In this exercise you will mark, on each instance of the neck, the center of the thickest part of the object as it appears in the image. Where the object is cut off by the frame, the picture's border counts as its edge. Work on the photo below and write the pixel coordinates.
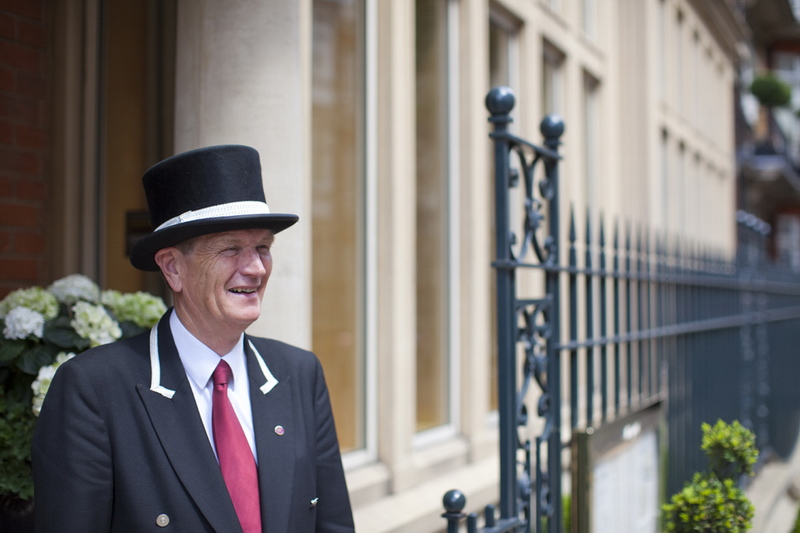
(219, 339)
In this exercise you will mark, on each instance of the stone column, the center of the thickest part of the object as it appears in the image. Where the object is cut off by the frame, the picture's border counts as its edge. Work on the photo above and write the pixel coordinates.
(242, 77)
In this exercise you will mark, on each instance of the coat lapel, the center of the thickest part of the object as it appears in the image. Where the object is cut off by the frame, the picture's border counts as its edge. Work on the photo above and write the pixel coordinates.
(181, 432)
(276, 440)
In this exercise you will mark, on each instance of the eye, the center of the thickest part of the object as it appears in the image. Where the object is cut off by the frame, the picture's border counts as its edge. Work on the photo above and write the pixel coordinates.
(230, 251)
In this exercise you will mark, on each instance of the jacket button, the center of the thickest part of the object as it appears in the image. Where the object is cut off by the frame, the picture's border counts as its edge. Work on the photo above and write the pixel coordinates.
(162, 520)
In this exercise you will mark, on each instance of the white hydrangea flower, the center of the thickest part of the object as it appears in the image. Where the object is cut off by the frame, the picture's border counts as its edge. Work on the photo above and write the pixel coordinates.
(34, 298)
(42, 382)
(111, 299)
(22, 322)
(141, 308)
(75, 287)
(92, 322)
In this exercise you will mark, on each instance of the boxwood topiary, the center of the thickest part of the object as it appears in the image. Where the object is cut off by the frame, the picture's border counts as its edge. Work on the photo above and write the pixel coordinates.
(712, 502)
(770, 90)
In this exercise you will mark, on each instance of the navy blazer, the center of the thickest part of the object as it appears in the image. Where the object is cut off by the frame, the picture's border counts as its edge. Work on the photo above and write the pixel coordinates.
(120, 446)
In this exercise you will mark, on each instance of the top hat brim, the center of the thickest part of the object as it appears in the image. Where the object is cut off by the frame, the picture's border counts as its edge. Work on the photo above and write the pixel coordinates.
(144, 251)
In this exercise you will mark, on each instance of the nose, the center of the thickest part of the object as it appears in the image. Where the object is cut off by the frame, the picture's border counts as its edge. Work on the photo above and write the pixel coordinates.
(255, 263)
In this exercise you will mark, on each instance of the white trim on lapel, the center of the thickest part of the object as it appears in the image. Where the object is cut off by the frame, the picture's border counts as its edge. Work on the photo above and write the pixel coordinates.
(271, 380)
(155, 366)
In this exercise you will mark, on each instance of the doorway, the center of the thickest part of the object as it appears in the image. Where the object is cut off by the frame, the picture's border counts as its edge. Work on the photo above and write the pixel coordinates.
(113, 118)
(138, 82)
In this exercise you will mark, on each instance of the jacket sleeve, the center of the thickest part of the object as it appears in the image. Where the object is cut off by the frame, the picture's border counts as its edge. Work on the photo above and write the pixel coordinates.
(334, 514)
(71, 457)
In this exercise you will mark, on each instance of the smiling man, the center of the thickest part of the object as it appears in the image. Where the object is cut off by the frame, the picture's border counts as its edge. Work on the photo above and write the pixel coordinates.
(195, 426)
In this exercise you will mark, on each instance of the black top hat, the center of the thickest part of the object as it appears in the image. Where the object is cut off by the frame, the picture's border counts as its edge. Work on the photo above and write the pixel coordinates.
(204, 191)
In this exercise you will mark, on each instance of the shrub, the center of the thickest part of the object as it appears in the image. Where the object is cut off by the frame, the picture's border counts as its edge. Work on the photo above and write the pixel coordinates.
(41, 328)
(770, 90)
(796, 528)
(566, 514)
(731, 449)
(709, 505)
(712, 502)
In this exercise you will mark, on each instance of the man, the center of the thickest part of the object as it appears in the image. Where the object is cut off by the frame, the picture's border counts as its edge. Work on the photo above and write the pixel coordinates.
(195, 427)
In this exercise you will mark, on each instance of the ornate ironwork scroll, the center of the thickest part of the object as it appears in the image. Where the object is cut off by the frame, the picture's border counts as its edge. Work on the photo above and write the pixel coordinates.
(529, 324)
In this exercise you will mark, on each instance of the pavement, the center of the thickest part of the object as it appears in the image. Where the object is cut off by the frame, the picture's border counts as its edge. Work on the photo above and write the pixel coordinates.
(775, 494)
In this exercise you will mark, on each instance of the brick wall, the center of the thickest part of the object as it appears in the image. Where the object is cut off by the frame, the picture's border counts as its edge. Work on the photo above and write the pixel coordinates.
(24, 37)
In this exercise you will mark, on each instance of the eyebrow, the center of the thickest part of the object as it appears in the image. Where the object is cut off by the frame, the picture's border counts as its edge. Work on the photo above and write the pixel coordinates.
(227, 240)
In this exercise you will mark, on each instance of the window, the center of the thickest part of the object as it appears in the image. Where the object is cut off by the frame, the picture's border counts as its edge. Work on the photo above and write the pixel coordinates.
(338, 216)
(787, 239)
(695, 73)
(662, 50)
(503, 71)
(503, 51)
(659, 191)
(677, 65)
(435, 372)
(681, 193)
(591, 140)
(552, 80)
(590, 19)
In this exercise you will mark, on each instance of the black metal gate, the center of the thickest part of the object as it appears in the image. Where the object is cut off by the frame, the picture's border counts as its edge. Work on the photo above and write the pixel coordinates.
(653, 321)
(532, 323)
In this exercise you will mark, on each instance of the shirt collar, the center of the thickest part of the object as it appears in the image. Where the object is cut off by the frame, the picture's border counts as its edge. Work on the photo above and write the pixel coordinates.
(199, 360)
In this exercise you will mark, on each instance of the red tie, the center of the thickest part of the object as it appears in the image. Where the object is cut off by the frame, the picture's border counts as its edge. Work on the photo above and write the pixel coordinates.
(235, 456)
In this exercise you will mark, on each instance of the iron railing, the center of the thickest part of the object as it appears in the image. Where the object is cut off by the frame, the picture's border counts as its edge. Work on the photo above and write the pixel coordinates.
(653, 322)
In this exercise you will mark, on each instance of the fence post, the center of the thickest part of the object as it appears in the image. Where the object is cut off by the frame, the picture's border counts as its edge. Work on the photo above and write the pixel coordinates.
(500, 102)
(552, 127)
(530, 323)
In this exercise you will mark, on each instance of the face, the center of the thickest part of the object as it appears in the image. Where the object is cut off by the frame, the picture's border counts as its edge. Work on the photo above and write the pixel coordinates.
(218, 280)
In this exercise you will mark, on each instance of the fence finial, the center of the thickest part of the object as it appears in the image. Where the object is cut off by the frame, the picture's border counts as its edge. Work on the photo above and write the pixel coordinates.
(454, 502)
(499, 102)
(552, 127)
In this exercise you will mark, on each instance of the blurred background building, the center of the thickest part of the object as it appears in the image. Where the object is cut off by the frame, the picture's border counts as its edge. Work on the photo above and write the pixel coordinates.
(369, 116)
(768, 136)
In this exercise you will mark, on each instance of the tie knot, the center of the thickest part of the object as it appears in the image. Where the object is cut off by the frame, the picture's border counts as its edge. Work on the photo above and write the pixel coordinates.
(222, 374)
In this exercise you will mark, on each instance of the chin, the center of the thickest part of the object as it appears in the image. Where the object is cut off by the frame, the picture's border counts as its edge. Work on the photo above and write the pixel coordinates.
(247, 318)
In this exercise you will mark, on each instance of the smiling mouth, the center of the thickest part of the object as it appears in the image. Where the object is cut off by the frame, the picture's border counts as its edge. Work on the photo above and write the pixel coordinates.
(243, 291)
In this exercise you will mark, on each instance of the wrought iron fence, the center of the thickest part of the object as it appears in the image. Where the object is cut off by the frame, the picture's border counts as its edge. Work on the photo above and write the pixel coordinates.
(652, 321)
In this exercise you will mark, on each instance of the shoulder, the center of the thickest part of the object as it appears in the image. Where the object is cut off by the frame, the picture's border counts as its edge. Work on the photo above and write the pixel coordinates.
(279, 348)
(101, 377)
(285, 357)
(126, 356)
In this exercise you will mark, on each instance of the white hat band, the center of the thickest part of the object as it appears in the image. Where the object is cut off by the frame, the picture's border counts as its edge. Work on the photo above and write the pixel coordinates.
(232, 209)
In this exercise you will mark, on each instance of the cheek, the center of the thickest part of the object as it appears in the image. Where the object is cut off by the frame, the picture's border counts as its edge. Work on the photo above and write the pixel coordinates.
(266, 263)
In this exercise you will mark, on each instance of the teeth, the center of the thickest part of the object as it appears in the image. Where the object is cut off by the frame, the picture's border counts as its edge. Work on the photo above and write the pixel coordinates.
(244, 291)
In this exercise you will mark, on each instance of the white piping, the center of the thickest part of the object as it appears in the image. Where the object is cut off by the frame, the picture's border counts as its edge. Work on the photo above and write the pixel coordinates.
(155, 367)
(271, 381)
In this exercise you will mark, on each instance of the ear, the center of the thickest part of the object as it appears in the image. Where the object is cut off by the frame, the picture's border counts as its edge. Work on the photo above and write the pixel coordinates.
(167, 260)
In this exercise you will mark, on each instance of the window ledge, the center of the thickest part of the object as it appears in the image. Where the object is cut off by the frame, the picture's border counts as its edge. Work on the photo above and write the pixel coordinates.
(367, 484)
(419, 508)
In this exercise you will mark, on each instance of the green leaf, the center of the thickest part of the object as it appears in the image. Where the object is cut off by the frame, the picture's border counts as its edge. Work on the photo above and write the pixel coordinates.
(61, 334)
(16, 429)
(730, 448)
(10, 349)
(130, 329)
(32, 360)
(771, 90)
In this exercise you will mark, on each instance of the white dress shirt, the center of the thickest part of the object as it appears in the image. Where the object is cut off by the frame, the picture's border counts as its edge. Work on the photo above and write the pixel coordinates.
(199, 361)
